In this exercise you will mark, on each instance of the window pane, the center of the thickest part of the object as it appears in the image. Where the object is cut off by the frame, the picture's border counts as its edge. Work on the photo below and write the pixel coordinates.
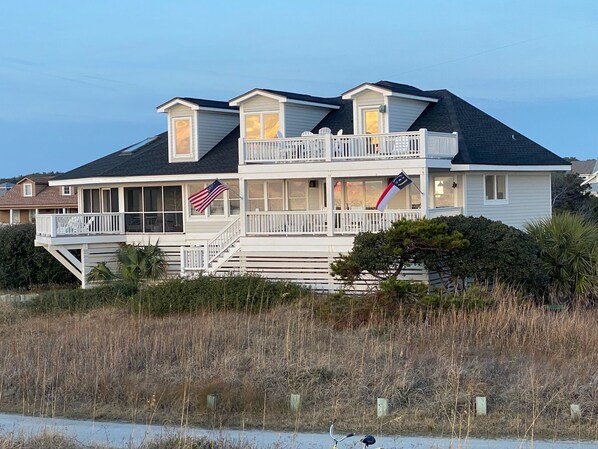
(297, 195)
(235, 207)
(106, 200)
(152, 199)
(275, 195)
(86, 200)
(217, 207)
(338, 195)
(489, 179)
(173, 200)
(354, 191)
(444, 193)
(270, 125)
(193, 189)
(182, 133)
(173, 222)
(95, 201)
(415, 194)
(501, 187)
(252, 126)
(372, 122)
(373, 189)
(153, 223)
(133, 199)
(255, 193)
(114, 200)
(234, 204)
(133, 223)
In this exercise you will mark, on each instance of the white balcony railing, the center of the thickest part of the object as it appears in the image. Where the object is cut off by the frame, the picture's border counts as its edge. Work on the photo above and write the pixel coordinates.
(322, 148)
(286, 222)
(70, 225)
(356, 221)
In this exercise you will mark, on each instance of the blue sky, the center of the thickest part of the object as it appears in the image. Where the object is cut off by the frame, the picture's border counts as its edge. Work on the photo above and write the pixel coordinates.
(81, 79)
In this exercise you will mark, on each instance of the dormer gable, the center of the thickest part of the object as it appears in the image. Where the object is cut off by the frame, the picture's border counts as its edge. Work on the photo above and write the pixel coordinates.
(30, 186)
(267, 113)
(385, 106)
(196, 125)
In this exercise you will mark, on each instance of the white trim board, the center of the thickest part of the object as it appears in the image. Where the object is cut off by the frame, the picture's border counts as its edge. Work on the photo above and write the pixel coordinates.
(508, 168)
(118, 180)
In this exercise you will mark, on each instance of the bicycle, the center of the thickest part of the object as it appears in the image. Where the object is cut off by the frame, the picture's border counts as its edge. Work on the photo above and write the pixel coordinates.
(368, 440)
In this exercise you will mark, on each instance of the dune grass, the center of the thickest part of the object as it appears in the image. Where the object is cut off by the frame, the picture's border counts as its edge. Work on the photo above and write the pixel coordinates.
(115, 363)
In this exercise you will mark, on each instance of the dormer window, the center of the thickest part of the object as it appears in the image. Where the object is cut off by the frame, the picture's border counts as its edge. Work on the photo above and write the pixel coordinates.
(263, 125)
(66, 190)
(182, 136)
(28, 189)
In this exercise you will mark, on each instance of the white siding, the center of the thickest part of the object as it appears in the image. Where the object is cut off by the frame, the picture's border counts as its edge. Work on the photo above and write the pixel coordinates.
(403, 112)
(260, 104)
(369, 98)
(299, 118)
(180, 111)
(212, 127)
(528, 196)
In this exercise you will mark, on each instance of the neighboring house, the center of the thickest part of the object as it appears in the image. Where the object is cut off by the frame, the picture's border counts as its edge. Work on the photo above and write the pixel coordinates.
(5, 187)
(304, 174)
(31, 196)
(588, 171)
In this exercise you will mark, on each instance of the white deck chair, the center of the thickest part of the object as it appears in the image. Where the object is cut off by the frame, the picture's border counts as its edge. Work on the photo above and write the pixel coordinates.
(307, 147)
(324, 130)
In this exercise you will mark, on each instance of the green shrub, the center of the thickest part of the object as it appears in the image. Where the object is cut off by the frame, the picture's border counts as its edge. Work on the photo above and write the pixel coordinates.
(569, 255)
(79, 300)
(496, 252)
(22, 265)
(248, 293)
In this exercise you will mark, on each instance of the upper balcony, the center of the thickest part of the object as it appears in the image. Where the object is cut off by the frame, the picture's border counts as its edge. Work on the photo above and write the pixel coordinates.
(422, 144)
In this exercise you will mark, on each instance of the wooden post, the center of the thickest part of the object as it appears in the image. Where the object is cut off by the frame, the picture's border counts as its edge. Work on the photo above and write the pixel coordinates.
(575, 411)
(382, 407)
(211, 401)
(480, 406)
(295, 402)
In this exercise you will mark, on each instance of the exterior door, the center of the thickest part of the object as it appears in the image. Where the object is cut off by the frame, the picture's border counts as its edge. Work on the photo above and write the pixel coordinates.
(370, 120)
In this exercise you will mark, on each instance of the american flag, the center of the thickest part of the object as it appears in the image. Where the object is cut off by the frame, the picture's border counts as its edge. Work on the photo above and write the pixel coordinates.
(202, 199)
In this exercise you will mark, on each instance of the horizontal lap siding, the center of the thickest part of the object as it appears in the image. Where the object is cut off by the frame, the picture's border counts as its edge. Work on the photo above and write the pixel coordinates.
(213, 127)
(303, 261)
(528, 199)
(369, 98)
(300, 118)
(403, 112)
(260, 104)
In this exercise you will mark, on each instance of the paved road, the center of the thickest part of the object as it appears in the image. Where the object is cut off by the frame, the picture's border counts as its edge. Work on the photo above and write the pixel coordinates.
(121, 435)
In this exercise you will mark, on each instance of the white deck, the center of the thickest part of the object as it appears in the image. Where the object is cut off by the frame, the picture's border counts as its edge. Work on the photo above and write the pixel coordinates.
(328, 148)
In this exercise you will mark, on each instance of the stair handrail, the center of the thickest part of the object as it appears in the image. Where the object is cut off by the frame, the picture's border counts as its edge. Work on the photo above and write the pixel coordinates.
(224, 240)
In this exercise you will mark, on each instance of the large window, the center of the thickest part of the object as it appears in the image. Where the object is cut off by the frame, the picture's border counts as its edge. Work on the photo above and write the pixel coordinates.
(100, 200)
(28, 189)
(226, 204)
(153, 209)
(264, 125)
(364, 194)
(182, 136)
(297, 194)
(444, 191)
(495, 188)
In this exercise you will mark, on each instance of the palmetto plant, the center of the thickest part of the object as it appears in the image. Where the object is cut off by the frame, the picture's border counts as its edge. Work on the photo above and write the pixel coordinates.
(136, 263)
(569, 253)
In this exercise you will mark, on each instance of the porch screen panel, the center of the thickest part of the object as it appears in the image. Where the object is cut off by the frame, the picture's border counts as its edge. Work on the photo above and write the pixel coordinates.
(133, 207)
(275, 195)
(173, 209)
(297, 195)
(255, 194)
(355, 195)
(234, 202)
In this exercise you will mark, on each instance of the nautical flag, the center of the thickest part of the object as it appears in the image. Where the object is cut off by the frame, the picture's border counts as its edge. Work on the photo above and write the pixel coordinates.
(202, 199)
(400, 182)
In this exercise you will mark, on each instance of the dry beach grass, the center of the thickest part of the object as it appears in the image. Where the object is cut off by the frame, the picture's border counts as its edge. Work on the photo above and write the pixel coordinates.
(113, 364)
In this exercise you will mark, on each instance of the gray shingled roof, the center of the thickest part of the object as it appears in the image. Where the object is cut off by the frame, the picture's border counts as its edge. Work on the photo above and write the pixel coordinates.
(483, 140)
(584, 167)
(152, 159)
